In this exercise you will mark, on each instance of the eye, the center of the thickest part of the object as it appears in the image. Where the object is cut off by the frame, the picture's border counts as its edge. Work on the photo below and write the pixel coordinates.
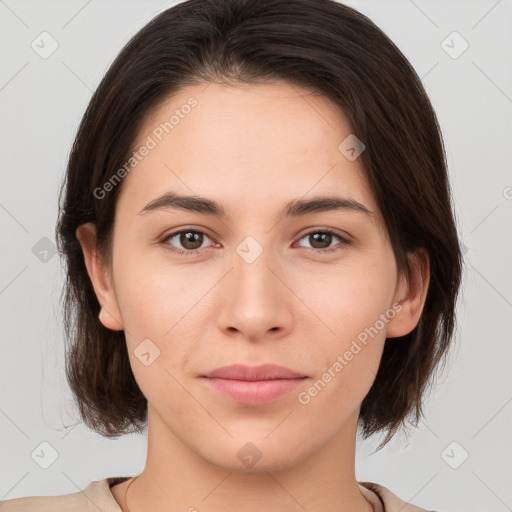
(321, 239)
(190, 239)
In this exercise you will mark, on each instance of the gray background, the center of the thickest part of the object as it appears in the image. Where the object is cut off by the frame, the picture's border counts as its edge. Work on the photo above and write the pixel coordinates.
(42, 101)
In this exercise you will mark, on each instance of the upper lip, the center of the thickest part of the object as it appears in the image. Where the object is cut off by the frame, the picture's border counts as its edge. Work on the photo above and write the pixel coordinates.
(252, 373)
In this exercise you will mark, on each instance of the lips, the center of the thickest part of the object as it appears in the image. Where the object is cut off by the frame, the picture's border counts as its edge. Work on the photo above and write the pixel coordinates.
(254, 385)
(253, 373)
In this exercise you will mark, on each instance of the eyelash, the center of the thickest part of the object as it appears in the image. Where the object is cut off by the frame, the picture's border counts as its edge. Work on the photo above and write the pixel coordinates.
(182, 252)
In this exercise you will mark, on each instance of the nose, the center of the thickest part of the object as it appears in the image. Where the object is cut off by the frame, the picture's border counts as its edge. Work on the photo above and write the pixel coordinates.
(257, 300)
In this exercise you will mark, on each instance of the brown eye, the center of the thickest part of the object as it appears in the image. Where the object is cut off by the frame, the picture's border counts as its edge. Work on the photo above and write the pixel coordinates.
(190, 240)
(321, 240)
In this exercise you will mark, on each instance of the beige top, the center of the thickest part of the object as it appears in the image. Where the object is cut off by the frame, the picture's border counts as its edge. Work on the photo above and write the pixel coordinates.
(97, 497)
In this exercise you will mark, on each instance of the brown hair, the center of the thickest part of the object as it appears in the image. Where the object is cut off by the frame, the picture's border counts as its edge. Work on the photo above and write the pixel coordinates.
(320, 45)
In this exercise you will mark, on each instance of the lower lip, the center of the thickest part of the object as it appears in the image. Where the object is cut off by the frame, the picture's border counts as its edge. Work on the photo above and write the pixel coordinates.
(254, 392)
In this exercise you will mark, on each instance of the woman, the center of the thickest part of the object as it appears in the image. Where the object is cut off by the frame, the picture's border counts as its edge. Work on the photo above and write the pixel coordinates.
(261, 255)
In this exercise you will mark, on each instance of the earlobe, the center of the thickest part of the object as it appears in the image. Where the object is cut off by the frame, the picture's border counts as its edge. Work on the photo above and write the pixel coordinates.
(109, 321)
(411, 294)
(109, 314)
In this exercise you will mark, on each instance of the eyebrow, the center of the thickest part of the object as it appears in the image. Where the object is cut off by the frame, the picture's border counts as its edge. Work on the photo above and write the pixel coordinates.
(294, 208)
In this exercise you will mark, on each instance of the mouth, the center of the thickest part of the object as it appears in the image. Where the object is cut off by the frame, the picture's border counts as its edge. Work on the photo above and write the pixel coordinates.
(253, 385)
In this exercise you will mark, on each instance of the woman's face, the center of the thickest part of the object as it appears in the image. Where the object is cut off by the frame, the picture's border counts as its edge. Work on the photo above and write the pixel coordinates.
(255, 285)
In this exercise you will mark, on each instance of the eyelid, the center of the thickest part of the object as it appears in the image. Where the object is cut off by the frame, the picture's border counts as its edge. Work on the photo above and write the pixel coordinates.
(345, 240)
(322, 229)
(179, 231)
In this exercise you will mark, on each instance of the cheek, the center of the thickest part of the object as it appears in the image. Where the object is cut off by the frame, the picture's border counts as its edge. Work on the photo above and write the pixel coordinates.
(155, 296)
(163, 313)
(348, 301)
(348, 360)
(353, 308)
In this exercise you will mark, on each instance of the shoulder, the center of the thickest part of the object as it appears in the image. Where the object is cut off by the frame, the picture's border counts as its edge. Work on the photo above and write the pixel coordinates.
(390, 501)
(96, 497)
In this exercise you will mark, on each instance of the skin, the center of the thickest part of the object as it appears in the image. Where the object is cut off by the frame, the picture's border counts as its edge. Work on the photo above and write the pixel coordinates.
(252, 148)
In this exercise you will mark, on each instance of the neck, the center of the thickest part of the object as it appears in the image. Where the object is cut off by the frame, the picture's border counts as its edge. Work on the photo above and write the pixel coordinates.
(176, 478)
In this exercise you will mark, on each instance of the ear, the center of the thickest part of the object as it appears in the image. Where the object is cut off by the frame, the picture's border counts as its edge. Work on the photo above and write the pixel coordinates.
(101, 281)
(411, 294)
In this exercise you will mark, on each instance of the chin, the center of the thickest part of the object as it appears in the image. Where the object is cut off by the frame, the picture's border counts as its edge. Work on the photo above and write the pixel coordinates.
(258, 456)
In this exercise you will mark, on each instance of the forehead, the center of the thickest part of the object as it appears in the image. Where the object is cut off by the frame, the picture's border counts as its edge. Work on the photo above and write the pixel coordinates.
(253, 144)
